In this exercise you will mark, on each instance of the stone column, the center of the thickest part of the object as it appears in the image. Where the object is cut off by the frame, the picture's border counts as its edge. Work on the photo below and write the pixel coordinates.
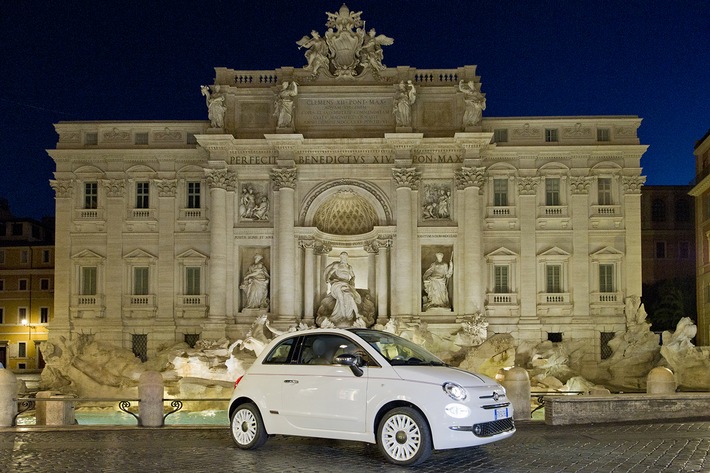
(321, 251)
(405, 179)
(284, 183)
(632, 212)
(382, 258)
(59, 326)
(218, 181)
(470, 180)
(309, 280)
(372, 249)
(579, 270)
(527, 197)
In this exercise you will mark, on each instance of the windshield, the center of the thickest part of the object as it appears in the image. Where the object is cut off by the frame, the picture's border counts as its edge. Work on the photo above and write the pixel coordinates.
(398, 350)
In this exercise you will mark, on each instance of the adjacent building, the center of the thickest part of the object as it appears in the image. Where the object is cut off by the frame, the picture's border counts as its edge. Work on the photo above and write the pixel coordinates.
(701, 192)
(667, 233)
(26, 288)
(345, 192)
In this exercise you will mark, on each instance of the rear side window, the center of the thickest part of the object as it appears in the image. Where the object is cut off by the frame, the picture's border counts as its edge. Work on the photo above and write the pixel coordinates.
(281, 352)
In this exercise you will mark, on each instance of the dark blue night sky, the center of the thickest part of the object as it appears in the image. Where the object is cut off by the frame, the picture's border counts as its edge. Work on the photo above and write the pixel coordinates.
(146, 60)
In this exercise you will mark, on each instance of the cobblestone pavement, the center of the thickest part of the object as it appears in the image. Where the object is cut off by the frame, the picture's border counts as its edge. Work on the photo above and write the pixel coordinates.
(536, 447)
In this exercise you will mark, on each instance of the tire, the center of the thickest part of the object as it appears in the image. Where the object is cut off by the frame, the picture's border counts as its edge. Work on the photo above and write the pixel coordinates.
(403, 436)
(247, 427)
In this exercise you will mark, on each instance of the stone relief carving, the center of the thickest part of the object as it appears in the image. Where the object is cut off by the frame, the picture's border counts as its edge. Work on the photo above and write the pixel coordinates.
(166, 187)
(632, 184)
(528, 185)
(580, 185)
(526, 131)
(255, 285)
(404, 98)
(436, 282)
(168, 135)
(407, 177)
(344, 306)
(215, 106)
(116, 136)
(577, 130)
(283, 111)
(346, 50)
(254, 203)
(475, 103)
(624, 131)
(469, 177)
(114, 187)
(283, 177)
(62, 188)
(436, 203)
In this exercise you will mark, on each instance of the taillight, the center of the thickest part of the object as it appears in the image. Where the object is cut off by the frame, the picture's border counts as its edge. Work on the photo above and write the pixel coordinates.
(237, 381)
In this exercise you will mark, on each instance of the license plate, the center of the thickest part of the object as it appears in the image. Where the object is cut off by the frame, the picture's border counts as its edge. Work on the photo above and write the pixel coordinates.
(501, 413)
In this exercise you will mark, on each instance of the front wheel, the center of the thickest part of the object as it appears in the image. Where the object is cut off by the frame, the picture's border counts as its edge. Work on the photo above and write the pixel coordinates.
(403, 436)
(248, 429)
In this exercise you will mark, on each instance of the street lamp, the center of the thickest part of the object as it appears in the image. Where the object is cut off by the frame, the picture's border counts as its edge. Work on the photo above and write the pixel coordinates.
(29, 328)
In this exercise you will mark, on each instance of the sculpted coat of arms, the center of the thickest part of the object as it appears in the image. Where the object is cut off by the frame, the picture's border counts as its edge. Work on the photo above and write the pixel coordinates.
(347, 49)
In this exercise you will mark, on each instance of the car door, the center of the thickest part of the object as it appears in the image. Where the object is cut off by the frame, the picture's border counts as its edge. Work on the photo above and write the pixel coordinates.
(320, 397)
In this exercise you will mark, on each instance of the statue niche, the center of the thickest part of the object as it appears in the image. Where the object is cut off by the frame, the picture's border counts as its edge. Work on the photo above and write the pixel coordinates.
(344, 305)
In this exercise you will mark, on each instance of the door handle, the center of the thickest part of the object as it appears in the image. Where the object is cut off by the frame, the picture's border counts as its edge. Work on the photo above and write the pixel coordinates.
(291, 381)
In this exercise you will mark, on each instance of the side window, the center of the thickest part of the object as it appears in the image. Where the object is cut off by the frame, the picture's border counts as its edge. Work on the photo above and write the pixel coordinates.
(280, 354)
(321, 349)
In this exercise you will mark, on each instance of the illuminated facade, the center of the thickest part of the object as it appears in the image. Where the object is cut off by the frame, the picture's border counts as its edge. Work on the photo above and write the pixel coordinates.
(160, 225)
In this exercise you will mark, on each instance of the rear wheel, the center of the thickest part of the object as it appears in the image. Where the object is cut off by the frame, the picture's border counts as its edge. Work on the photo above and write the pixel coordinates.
(248, 429)
(403, 436)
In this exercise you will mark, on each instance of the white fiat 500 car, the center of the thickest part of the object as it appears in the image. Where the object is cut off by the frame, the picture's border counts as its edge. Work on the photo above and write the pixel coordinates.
(369, 386)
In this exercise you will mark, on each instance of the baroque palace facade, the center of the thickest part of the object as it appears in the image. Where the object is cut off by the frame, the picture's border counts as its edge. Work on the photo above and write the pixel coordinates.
(346, 193)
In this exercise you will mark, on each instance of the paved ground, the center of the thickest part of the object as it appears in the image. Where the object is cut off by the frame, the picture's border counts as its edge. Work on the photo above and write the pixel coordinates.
(638, 447)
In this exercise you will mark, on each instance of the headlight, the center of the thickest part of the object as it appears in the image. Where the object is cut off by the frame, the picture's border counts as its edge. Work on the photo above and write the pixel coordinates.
(455, 391)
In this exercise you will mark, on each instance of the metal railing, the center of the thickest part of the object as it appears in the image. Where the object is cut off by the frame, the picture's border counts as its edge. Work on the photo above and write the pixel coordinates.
(25, 404)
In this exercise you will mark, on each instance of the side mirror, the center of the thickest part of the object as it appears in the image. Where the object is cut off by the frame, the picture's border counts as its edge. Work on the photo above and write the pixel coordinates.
(353, 361)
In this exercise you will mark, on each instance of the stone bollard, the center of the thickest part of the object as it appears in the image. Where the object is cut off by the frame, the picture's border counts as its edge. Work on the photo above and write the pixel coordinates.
(41, 407)
(61, 412)
(150, 392)
(8, 398)
(660, 380)
(517, 386)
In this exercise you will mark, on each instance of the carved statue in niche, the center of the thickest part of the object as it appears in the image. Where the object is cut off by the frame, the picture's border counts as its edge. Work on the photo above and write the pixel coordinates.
(404, 98)
(284, 104)
(436, 282)
(253, 203)
(344, 306)
(475, 103)
(215, 106)
(256, 285)
(437, 202)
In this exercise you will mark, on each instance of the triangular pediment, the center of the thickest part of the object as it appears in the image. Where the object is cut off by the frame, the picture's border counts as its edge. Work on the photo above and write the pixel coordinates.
(502, 251)
(191, 254)
(607, 251)
(554, 251)
(87, 255)
(139, 254)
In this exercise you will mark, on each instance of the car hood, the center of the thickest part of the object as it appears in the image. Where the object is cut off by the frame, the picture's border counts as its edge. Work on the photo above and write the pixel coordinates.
(441, 374)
